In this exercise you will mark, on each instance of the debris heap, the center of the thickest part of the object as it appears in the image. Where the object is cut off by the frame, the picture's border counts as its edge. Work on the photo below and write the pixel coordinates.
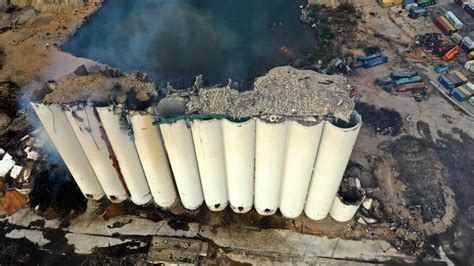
(284, 91)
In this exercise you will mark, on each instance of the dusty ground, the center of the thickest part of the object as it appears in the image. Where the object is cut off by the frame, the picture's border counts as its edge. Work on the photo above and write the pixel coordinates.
(415, 158)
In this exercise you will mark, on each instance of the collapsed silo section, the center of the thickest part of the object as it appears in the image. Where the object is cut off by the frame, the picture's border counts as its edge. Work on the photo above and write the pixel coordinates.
(180, 147)
(271, 134)
(208, 144)
(87, 129)
(336, 146)
(301, 149)
(120, 134)
(62, 135)
(348, 200)
(239, 152)
(149, 145)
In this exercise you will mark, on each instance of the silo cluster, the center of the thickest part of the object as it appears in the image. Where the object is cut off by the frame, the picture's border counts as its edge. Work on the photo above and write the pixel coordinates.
(267, 162)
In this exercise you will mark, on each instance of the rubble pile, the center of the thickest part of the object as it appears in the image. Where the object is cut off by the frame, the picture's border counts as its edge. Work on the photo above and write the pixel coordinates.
(434, 43)
(97, 85)
(284, 91)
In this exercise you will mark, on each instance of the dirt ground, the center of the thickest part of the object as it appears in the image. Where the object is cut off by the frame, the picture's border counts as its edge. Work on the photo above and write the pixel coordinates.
(414, 158)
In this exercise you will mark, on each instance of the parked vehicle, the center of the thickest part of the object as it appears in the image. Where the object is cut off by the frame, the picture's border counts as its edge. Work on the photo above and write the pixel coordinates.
(467, 44)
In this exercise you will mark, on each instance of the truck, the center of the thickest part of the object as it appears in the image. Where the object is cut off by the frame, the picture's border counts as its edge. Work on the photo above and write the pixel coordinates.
(457, 23)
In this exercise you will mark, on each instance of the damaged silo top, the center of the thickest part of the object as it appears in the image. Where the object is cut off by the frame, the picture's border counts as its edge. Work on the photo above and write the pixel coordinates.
(97, 85)
(283, 91)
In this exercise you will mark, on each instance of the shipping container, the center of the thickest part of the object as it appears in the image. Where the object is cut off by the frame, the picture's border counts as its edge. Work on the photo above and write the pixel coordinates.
(470, 55)
(403, 81)
(425, 3)
(411, 86)
(447, 84)
(456, 38)
(400, 75)
(465, 91)
(458, 95)
(375, 62)
(457, 81)
(469, 9)
(408, 2)
(467, 44)
(368, 58)
(471, 101)
(409, 7)
(416, 12)
(470, 87)
(449, 24)
(442, 26)
(461, 76)
(457, 23)
(389, 3)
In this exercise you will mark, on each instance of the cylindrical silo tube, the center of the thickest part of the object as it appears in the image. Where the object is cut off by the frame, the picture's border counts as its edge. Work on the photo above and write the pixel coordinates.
(333, 155)
(180, 147)
(62, 135)
(301, 148)
(86, 127)
(343, 212)
(269, 162)
(207, 136)
(239, 153)
(149, 144)
(120, 134)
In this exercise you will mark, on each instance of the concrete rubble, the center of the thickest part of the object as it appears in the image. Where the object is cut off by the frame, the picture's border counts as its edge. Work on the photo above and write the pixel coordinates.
(283, 91)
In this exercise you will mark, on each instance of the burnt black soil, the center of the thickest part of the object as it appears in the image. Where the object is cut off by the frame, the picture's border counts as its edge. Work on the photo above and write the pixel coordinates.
(383, 121)
(416, 168)
(56, 189)
(457, 156)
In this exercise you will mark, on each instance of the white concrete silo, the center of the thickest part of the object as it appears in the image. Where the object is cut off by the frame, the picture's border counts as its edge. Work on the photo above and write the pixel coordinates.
(62, 135)
(239, 153)
(343, 212)
(269, 162)
(208, 144)
(334, 152)
(180, 147)
(151, 151)
(86, 127)
(126, 153)
(301, 149)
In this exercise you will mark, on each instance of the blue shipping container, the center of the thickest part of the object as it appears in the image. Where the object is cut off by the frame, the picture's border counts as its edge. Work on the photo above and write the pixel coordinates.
(375, 62)
(370, 57)
(458, 95)
(447, 84)
(414, 79)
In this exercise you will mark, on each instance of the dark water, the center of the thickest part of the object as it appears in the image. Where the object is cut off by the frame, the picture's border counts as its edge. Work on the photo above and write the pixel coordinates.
(179, 39)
